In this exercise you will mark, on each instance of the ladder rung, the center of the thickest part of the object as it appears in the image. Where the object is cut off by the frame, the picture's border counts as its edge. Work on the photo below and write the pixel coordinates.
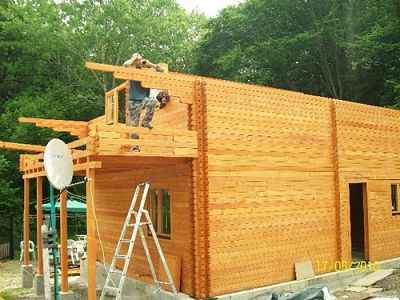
(163, 282)
(116, 271)
(119, 256)
(111, 288)
(125, 241)
(141, 223)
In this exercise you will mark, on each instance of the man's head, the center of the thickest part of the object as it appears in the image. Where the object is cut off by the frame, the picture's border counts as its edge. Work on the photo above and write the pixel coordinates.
(163, 98)
(136, 58)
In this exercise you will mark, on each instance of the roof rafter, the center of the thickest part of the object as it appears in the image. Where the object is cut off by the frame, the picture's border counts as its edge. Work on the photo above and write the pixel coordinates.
(21, 147)
(76, 128)
(178, 85)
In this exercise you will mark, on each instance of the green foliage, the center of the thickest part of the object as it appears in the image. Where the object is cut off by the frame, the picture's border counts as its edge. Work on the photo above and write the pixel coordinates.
(43, 48)
(344, 49)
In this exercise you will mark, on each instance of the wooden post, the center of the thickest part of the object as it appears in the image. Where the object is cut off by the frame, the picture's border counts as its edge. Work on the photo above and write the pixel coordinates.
(26, 222)
(91, 234)
(115, 108)
(335, 162)
(200, 194)
(64, 243)
(39, 223)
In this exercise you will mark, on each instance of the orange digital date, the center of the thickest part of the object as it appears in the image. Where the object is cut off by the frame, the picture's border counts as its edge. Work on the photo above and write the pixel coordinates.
(338, 265)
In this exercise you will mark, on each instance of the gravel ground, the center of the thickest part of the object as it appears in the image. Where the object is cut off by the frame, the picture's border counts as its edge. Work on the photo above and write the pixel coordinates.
(10, 276)
(10, 281)
(390, 288)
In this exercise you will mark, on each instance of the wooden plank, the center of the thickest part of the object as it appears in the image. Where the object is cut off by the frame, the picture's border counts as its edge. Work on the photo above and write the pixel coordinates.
(63, 241)
(178, 85)
(79, 143)
(114, 190)
(21, 147)
(77, 128)
(77, 168)
(122, 128)
(372, 278)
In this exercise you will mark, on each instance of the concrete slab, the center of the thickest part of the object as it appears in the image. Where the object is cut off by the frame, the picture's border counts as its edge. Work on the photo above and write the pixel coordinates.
(27, 276)
(304, 270)
(67, 296)
(372, 290)
(38, 285)
(333, 280)
(356, 289)
(370, 279)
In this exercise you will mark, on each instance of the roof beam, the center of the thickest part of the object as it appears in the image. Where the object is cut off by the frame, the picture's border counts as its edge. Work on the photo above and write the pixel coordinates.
(76, 128)
(178, 85)
(21, 147)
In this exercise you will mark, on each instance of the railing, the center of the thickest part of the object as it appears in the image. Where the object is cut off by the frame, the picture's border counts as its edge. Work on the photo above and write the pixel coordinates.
(32, 164)
(111, 104)
(116, 140)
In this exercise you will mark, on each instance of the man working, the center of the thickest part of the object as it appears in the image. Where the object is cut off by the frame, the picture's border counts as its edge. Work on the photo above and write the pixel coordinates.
(139, 96)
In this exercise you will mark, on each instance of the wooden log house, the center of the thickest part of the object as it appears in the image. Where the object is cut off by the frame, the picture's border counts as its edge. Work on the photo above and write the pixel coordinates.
(247, 180)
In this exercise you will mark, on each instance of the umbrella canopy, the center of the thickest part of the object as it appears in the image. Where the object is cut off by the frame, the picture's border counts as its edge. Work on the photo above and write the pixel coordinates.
(73, 206)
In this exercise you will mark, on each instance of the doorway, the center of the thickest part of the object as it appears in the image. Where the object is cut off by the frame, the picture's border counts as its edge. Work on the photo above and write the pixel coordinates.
(358, 194)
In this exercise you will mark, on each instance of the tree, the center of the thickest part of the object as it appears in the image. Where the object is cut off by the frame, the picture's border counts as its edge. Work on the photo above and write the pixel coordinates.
(335, 48)
(43, 48)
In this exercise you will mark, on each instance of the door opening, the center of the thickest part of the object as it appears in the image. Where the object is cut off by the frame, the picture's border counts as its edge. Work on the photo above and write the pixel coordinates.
(357, 215)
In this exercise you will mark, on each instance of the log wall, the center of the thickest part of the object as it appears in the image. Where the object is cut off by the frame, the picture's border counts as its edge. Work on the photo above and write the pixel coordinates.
(271, 184)
(368, 147)
(279, 166)
(114, 190)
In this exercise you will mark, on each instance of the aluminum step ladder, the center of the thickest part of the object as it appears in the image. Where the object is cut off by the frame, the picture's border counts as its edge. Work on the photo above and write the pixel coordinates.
(115, 287)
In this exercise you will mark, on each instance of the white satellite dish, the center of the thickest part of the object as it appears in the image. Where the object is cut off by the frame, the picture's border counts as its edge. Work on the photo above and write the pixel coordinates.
(58, 164)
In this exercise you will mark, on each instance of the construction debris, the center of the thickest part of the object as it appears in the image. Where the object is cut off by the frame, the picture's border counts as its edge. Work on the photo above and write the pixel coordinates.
(304, 270)
(308, 294)
(372, 278)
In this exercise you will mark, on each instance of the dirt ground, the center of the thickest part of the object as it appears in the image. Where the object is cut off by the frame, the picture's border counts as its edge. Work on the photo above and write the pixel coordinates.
(10, 281)
(9, 274)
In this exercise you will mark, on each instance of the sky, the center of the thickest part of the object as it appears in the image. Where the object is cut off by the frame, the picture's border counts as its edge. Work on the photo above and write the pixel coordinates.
(209, 7)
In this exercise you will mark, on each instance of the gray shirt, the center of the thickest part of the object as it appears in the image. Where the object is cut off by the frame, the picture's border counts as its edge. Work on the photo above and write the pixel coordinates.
(137, 92)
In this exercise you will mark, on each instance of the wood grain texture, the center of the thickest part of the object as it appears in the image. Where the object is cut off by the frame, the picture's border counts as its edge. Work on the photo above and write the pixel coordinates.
(92, 245)
(21, 147)
(76, 128)
(200, 194)
(114, 190)
(271, 185)
(259, 178)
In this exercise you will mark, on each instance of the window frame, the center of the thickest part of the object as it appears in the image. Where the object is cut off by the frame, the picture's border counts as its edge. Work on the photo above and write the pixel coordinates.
(157, 198)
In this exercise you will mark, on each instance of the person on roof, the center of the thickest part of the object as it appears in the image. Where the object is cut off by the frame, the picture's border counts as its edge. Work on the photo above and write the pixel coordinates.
(139, 96)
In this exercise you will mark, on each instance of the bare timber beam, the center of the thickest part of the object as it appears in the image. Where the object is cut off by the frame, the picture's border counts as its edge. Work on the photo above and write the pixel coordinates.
(77, 168)
(178, 85)
(21, 147)
(76, 128)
